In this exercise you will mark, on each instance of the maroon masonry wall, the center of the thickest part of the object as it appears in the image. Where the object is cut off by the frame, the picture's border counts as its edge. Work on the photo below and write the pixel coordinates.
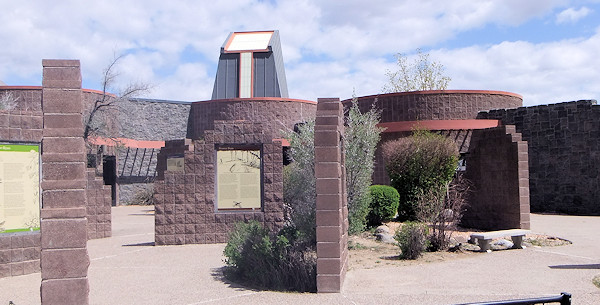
(432, 105)
(276, 114)
(19, 253)
(497, 166)
(185, 201)
(99, 202)
(332, 204)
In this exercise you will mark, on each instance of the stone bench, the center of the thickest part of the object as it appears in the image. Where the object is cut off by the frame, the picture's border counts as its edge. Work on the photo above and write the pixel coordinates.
(484, 238)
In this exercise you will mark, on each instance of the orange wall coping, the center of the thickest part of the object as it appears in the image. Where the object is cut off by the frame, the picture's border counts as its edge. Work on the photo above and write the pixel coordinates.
(40, 87)
(439, 125)
(425, 92)
(131, 143)
(250, 99)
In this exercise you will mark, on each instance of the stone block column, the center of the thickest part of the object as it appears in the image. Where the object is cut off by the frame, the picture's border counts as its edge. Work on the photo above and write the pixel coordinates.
(332, 207)
(64, 257)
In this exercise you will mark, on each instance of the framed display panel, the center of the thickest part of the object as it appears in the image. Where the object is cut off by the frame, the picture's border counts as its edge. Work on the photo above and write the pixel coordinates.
(19, 187)
(238, 178)
(175, 163)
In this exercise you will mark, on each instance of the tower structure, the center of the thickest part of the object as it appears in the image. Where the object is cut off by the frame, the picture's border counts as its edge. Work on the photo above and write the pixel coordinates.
(250, 65)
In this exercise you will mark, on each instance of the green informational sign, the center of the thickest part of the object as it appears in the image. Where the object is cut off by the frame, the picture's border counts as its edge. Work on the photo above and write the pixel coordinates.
(19, 187)
(238, 179)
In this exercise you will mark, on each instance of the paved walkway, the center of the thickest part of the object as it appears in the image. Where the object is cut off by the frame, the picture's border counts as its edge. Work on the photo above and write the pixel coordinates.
(127, 269)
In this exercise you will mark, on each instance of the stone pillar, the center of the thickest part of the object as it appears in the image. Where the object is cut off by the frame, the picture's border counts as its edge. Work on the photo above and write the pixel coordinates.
(332, 207)
(64, 257)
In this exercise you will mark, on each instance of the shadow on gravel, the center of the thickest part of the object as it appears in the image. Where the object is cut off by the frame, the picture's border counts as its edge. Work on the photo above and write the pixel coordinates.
(217, 274)
(584, 266)
(148, 244)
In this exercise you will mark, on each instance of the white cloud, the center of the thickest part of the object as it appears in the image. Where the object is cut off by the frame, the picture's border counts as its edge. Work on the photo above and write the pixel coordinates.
(572, 15)
(329, 46)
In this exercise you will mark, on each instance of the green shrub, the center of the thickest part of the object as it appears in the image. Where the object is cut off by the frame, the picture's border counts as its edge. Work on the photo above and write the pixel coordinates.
(423, 163)
(143, 196)
(361, 136)
(412, 239)
(283, 261)
(384, 204)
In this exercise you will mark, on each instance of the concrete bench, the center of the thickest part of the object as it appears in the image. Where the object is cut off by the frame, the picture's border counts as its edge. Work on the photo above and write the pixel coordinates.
(484, 238)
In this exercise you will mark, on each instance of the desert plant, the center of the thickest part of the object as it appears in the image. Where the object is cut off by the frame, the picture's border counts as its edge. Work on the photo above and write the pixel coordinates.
(412, 239)
(144, 195)
(299, 183)
(384, 204)
(258, 258)
(361, 136)
(422, 164)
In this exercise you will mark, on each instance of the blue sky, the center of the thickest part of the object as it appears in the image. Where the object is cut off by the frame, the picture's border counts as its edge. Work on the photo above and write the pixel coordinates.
(545, 50)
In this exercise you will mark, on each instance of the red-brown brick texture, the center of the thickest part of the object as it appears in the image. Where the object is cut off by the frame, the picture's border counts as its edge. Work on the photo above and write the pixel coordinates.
(498, 167)
(19, 253)
(64, 258)
(99, 201)
(275, 114)
(432, 105)
(332, 207)
(185, 201)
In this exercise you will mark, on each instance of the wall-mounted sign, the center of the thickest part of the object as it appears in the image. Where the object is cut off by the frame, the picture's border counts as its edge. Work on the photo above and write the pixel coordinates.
(175, 164)
(19, 187)
(238, 179)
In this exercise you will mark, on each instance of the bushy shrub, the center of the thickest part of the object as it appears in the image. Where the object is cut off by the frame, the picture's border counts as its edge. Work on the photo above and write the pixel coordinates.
(421, 164)
(283, 261)
(144, 195)
(361, 136)
(299, 182)
(412, 239)
(384, 204)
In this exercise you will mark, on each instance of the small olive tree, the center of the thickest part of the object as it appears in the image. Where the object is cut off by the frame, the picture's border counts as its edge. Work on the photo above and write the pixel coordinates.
(420, 74)
(361, 136)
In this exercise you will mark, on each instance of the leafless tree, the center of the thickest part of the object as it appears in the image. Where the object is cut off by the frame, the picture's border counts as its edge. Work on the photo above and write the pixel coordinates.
(95, 123)
(8, 101)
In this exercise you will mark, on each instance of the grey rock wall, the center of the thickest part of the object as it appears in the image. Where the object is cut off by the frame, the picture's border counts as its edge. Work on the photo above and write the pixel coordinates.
(157, 120)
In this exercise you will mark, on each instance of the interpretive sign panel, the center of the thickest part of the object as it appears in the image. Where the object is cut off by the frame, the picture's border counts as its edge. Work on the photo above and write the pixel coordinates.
(19, 187)
(175, 164)
(238, 179)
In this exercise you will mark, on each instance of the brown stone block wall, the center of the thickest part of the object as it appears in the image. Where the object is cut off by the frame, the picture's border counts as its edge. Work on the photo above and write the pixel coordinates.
(19, 253)
(98, 207)
(564, 154)
(64, 258)
(332, 206)
(21, 126)
(437, 105)
(275, 114)
(184, 201)
(498, 167)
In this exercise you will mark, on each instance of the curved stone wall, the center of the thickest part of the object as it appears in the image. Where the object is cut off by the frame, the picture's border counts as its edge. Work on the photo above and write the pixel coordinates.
(275, 114)
(455, 112)
(437, 105)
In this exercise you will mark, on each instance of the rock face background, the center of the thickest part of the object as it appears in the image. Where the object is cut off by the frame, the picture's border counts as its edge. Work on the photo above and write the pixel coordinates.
(145, 119)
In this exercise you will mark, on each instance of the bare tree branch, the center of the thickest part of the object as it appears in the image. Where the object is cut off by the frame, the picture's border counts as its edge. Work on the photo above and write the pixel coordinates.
(94, 124)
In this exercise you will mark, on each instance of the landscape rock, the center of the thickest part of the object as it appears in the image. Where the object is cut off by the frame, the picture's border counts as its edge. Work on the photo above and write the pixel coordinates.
(385, 238)
(383, 229)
